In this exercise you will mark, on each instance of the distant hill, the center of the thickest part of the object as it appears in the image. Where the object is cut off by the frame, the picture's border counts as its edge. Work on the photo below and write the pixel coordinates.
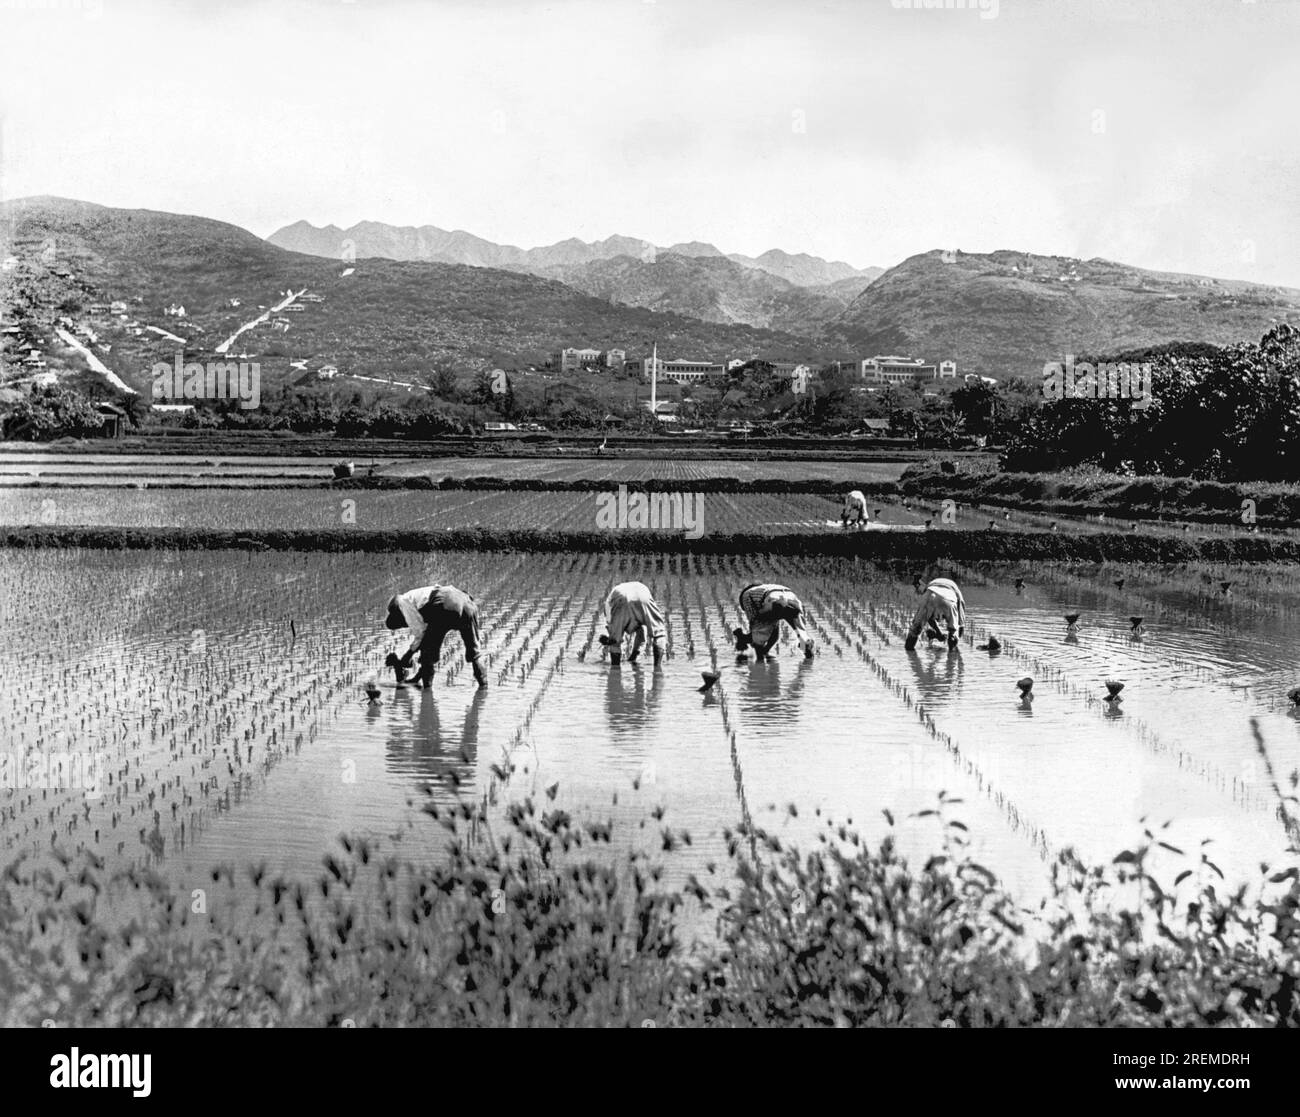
(1001, 314)
(428, 242)
(368, 239)
(803, 270)
(389, 319)
(713, 289)
(1007, 313)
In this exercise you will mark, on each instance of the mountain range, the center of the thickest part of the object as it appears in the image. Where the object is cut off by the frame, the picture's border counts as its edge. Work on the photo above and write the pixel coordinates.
(428, 242)
(1008, 313)
(384, 318)
(1000, 314)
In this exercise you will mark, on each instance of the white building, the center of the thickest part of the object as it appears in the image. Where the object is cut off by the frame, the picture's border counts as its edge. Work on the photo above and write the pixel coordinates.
(573, 360)
(947, 370)
(897, 370)
(682, 371)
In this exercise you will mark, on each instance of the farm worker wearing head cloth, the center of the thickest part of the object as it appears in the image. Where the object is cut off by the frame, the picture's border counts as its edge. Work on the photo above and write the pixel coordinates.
(430, 613)
(941, 604)
(855, 508)
(633, 610)
(765, 606)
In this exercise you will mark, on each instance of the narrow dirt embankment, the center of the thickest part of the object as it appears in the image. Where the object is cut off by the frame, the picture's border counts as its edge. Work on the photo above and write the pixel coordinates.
(923, 546)
(1273, 504)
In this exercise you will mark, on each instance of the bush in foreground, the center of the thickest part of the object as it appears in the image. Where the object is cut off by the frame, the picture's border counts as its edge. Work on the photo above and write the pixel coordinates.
(534, 926)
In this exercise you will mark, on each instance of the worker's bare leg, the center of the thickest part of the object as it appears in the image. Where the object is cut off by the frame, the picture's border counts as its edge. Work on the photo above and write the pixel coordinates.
(430, 651)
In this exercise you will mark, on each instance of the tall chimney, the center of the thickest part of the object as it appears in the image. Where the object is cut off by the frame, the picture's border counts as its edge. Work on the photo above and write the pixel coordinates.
(654, 379)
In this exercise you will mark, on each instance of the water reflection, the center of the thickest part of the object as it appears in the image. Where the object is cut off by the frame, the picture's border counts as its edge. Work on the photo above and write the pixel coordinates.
(937, 675)
(418, 743)
(767, 698)
(630, 706)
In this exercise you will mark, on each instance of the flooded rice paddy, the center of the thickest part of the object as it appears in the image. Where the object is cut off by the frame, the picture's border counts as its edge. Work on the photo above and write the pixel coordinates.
(315, 508)
(195, 470)
(223, 691)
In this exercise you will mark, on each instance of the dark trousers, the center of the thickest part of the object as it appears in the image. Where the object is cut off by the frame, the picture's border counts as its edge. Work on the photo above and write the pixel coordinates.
(448, 610)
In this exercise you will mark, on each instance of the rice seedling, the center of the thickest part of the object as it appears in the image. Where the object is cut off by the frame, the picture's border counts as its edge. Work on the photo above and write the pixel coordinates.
(256, 664)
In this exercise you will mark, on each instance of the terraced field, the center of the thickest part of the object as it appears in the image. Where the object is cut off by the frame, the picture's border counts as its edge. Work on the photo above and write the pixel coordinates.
(153, 470)
(395, 509)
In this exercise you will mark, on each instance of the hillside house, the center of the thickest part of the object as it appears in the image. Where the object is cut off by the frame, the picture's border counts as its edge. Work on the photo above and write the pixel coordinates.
(113, 420)
(175, 310)
(117, 306)
(327, 372)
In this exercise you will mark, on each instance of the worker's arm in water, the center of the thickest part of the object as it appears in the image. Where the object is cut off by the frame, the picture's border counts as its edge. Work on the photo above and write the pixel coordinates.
(925, 614)
(637, 641)
(403, 613)
(418, 626)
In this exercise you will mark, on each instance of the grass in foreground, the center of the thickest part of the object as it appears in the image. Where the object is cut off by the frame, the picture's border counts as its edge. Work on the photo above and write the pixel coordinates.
(535, 927)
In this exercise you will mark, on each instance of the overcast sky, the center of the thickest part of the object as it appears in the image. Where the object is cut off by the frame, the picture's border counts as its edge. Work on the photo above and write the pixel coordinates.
(1157, 132)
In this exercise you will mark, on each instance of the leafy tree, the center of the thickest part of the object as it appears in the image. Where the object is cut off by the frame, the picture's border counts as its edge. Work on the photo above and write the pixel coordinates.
(443, 382)
(977, 404)
(1210, 413)
(50, 412)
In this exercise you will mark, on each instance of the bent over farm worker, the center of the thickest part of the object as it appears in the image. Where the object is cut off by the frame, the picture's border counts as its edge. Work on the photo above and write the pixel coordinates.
(430, 613)
(941, 604)
(855, 509)
(632, 611)
(765, 606)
